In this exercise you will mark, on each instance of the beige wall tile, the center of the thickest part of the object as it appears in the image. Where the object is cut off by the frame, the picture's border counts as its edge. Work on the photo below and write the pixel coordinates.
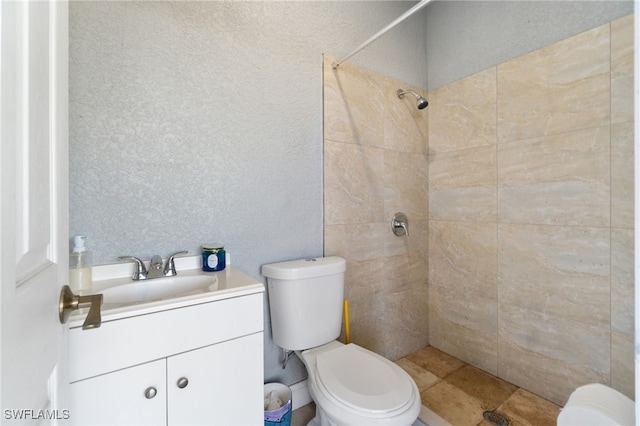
(551, 355)
(463, 257)
(402, 320)
(622, 364)
(464, 326)
(622, 98)
(388, 324)
(462, 185)
(406, 128)
(353, 183)
(561, 179)
(622, 45)
(622, 281)
(622, 174)
(561, 271)
(406, 185)
(406, 272)
(622, 207)
(365, 315)
(374, 167)
(405, 322)
(556, 89)
(416, 244)
(463, 114)
(364, 278)
(622, 70)
(353, 105)
(355, 242)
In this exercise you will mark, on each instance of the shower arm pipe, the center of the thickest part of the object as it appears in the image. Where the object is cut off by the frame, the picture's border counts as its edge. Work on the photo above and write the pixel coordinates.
(380, 33)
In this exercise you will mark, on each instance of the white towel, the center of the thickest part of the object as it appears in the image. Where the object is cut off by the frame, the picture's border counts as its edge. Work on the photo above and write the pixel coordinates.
(273, 401)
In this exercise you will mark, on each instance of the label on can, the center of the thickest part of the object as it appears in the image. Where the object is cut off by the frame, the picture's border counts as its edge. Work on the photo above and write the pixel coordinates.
(213, 257)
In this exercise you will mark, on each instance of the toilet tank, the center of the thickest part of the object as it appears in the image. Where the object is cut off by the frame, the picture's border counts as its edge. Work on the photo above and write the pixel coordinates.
(305, 301)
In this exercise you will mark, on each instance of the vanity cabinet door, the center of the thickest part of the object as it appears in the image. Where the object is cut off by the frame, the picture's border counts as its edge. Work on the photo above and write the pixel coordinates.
(221, 384)
(131, 396)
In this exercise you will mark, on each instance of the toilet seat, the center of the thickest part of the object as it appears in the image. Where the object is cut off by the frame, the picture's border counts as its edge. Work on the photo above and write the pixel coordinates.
(363, 381)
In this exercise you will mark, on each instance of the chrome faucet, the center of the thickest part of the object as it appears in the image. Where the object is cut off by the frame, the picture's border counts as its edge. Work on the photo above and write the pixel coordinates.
(140, 272)
(170, 267)
(156, 267)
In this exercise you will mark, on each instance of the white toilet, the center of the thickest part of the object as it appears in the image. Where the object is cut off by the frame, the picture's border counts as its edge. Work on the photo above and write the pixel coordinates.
(349, 384)
(597, 405)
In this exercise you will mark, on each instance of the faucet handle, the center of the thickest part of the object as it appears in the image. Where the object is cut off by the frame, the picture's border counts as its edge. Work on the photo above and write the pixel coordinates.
(141, 271)
(170, 266)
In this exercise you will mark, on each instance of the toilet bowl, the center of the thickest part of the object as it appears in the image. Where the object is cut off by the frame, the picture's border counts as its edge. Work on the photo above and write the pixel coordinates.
(349, 384)
(597, 405)
(354, 386)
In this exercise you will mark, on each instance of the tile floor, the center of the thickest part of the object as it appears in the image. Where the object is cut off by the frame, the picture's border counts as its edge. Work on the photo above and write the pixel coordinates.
(459, 394)
(303, 415)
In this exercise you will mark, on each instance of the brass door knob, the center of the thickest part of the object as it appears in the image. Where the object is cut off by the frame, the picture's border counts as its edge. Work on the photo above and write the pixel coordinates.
(70, 302)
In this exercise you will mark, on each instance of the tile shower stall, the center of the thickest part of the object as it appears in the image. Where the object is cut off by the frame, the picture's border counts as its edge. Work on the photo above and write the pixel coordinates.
(518, 185)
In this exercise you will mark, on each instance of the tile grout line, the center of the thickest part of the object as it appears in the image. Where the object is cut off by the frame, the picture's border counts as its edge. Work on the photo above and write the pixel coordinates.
(497, 232)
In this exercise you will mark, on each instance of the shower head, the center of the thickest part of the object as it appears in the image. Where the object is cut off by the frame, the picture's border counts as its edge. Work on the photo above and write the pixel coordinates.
(422, 102)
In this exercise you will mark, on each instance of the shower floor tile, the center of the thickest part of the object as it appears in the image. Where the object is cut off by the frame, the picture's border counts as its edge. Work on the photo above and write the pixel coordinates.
(526, 408)
(435, 361)
(453, 404)
(483, 386)
(461, 393)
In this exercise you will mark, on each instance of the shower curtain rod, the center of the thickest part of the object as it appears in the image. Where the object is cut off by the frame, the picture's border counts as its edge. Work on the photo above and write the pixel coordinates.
(371, 39)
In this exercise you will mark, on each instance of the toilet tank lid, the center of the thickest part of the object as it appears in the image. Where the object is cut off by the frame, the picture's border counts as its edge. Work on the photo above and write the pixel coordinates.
(305, 268)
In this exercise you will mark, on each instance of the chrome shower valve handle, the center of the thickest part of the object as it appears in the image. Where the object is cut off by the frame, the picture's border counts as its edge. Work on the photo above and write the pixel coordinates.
(400, 224)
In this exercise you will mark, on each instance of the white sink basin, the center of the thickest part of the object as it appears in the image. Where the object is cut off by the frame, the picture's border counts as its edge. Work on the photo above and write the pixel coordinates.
(159, 289)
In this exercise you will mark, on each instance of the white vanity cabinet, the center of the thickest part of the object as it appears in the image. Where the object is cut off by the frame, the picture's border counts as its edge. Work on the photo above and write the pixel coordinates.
(195, 364)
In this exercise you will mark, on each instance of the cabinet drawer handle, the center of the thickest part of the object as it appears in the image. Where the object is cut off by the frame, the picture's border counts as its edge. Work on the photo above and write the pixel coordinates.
(150, 392)
(183, 382)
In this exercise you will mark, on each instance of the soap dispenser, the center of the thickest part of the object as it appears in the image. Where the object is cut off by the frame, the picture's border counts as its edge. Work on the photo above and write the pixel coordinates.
(80, 266)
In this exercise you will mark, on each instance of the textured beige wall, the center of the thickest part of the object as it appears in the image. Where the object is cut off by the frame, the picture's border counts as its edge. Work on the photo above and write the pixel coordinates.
(531, 215)
(375, 165)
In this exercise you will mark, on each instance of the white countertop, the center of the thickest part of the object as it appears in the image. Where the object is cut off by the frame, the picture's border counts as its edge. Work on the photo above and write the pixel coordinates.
(231, 282)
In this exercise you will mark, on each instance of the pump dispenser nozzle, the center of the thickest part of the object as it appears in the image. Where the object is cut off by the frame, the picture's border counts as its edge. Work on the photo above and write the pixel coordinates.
(79, 242)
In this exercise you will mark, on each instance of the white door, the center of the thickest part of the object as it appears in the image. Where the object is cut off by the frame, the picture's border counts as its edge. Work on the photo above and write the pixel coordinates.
(33, 209)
